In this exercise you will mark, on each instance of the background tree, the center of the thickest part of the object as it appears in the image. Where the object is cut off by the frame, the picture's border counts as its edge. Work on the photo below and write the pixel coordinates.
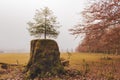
(44, 24)
(100, 19)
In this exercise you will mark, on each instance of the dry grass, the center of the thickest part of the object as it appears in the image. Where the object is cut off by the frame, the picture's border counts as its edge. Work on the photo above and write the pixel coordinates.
(14, 58)
(98, 64)
(75, 58)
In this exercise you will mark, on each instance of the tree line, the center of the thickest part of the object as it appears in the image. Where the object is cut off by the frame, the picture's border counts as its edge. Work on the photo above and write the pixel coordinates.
(101, 27)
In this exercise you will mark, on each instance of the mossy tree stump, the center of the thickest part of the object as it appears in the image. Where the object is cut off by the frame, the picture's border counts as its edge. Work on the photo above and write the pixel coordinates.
(44, 59)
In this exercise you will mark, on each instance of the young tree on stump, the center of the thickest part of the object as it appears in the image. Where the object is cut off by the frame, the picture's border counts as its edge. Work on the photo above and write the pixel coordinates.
(44, 53)
(45, 24)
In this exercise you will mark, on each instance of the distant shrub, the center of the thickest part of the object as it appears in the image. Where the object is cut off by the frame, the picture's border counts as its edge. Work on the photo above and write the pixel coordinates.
(4, 66)
(106, 58)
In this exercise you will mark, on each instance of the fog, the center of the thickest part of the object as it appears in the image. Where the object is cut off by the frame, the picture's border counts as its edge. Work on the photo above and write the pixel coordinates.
(14, 15)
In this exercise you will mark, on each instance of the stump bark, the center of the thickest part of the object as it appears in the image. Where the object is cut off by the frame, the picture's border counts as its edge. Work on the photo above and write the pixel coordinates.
(44, 59)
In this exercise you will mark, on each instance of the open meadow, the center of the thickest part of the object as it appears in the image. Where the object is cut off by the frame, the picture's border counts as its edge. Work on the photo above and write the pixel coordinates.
(89, 66)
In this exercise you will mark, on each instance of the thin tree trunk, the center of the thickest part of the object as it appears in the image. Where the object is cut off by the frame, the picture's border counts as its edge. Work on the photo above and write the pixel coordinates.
(45, 27)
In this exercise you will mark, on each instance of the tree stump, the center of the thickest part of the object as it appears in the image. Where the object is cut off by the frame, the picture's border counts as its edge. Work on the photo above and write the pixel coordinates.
(44, 59)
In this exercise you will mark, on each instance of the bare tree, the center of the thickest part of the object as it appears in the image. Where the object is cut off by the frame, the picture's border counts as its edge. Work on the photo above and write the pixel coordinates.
(99, 18)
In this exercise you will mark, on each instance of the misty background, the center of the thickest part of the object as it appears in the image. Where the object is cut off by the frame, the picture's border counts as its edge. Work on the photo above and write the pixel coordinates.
(14, 15)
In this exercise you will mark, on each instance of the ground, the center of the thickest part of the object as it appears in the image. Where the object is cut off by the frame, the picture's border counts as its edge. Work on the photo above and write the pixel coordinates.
(83, 66)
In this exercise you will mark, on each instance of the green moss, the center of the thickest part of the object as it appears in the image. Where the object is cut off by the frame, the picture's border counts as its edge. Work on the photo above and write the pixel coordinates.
(45, 59)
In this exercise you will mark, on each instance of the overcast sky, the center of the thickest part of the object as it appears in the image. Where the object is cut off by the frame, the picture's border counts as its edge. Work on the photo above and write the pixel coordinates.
(14, 15)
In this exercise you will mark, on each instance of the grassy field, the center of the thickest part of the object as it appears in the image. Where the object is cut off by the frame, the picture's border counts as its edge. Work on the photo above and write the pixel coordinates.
(74, 58)
(22, 58)
(14, 58)
(92, 66)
